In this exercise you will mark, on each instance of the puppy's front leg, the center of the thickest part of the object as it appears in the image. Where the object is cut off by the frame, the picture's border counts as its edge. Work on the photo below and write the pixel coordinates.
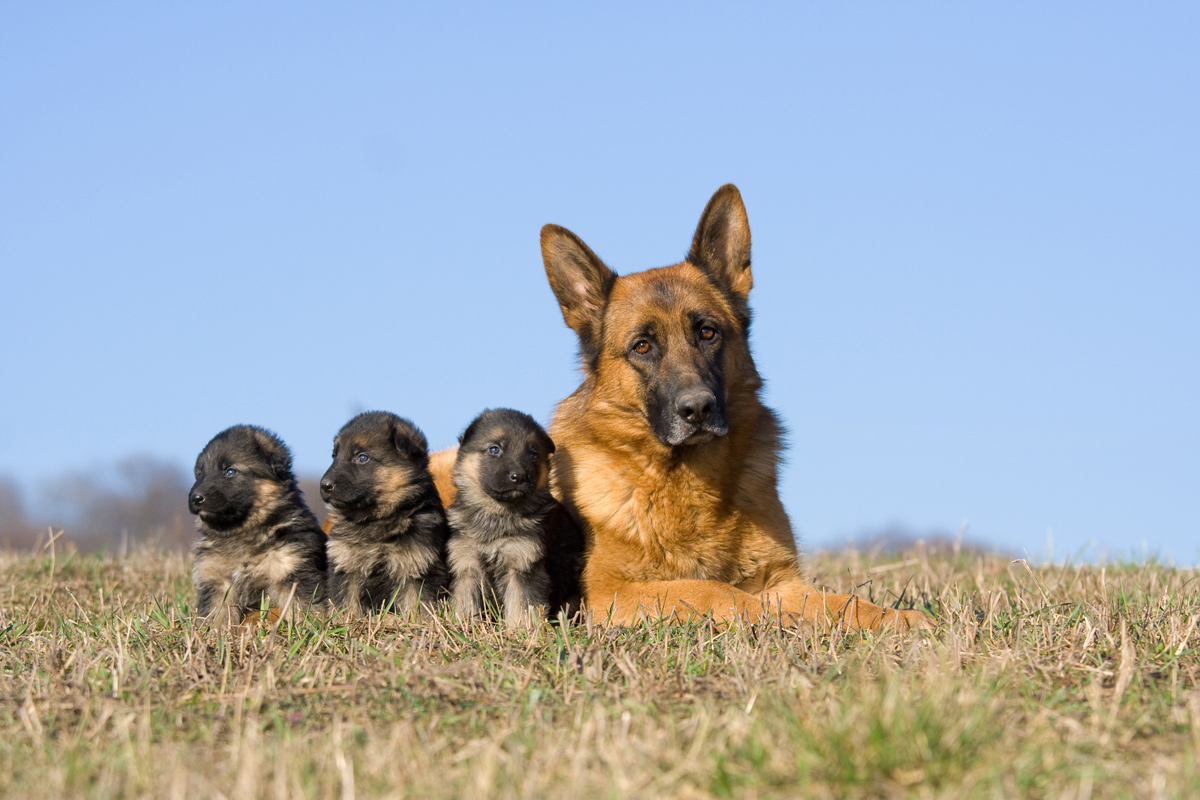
(352, 595)
(470, 578)
(407, 599)
(525, 594)
(216, 605)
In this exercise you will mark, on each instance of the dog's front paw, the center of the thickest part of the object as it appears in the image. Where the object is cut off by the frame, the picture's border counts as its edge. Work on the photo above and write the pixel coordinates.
(910, 620)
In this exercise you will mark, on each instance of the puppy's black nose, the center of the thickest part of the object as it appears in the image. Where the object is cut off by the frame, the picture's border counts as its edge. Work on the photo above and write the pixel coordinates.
(696, 407)
(326, 489)
(518, 477)
(196, 499)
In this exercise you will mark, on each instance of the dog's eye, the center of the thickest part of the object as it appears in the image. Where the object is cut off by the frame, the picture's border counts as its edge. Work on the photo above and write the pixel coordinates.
(494, 450)
(229, 473)
(707, 333)
(362, 458)
(533, 455)
(642, 347)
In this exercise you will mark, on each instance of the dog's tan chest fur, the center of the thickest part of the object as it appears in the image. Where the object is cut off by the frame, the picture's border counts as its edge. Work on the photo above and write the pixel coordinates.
(275, 567)
(401, 560)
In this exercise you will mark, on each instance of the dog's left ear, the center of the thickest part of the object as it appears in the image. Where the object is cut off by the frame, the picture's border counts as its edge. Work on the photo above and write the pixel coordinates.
(410, 441)
(721, 246)
(276, 452)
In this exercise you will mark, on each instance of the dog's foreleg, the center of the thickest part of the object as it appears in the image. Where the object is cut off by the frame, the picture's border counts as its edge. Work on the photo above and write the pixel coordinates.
(525, 595)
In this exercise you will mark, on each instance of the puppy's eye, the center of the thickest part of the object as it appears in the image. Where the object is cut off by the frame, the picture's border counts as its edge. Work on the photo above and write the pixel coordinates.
(642, 347)
(494, 450)
(229, 473)
(362, 458)
(533, 455)
(708, 334)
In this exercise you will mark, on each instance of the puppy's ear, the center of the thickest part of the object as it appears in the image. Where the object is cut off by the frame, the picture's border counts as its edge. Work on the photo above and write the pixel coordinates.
(548, 443)
(276, 453)
(469, 433)
(580, 281)
(409, 440)
(721, 247)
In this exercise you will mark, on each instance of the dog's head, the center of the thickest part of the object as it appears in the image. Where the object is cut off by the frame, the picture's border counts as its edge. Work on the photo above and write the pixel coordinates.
(244, 470)
(675, 333)
(504, 453)
(380, 461)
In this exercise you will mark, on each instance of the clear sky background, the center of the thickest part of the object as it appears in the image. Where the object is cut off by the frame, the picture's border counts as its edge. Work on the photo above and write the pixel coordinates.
(976, 235)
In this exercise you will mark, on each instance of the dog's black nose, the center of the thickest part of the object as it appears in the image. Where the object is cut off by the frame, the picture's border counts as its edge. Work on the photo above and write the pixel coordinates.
(696, 407)
(196, 499)
(518, 477)
(326, 489)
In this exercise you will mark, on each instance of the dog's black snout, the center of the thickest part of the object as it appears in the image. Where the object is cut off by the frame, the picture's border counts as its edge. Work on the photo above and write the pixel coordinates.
(326, 488)
(518, 477)
(696, 407)
(196, 499)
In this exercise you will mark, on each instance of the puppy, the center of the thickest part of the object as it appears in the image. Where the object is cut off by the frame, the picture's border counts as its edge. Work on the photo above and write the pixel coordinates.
(257, 537)
(510, 539)
(388, 540)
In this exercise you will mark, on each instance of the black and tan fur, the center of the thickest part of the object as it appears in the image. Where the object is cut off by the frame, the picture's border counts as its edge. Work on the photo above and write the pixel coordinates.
(666, 454)
(388, 542)
(257, 537)
(510, 541)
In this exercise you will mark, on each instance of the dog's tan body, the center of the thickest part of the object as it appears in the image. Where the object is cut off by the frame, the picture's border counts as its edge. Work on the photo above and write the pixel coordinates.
(441, 466)
(694, 525)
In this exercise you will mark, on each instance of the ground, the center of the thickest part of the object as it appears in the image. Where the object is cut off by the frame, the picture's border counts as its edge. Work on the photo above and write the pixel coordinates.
(1053, 681)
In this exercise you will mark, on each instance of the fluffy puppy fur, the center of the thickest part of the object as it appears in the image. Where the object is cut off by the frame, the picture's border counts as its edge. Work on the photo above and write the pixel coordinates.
(257, 537)
(388, 540)
(510, 539)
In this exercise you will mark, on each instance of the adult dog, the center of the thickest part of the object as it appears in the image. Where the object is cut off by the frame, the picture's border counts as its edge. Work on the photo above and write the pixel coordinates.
(665, 453)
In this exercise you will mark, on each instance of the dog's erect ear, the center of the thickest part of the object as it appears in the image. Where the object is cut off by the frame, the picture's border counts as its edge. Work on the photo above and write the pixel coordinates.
(721, 246)
(580, 281)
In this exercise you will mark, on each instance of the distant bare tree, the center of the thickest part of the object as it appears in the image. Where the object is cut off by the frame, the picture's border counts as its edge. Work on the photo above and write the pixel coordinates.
(139, 499)
(16, 531)
(895, 539)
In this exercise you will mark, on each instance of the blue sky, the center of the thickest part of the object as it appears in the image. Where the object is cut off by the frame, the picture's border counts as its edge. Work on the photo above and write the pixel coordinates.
(976, 235)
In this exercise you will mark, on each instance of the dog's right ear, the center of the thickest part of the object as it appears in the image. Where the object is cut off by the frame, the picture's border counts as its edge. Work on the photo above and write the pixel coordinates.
(274, 451)
(409, 440)
(580, 281)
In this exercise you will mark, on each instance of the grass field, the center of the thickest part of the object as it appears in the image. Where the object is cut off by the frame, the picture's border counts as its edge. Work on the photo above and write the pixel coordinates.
(1055, 682)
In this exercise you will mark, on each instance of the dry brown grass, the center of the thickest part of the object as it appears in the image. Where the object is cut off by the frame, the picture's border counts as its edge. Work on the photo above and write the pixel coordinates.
(1041, 682)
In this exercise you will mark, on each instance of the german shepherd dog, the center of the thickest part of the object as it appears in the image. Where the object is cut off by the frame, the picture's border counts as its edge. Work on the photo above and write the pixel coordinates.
(510, 539)
(257, 537)
(388, 540)
(665, 452)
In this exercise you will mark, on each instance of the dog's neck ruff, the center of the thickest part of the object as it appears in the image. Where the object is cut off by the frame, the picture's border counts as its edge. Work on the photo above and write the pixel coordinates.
(485, 519)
